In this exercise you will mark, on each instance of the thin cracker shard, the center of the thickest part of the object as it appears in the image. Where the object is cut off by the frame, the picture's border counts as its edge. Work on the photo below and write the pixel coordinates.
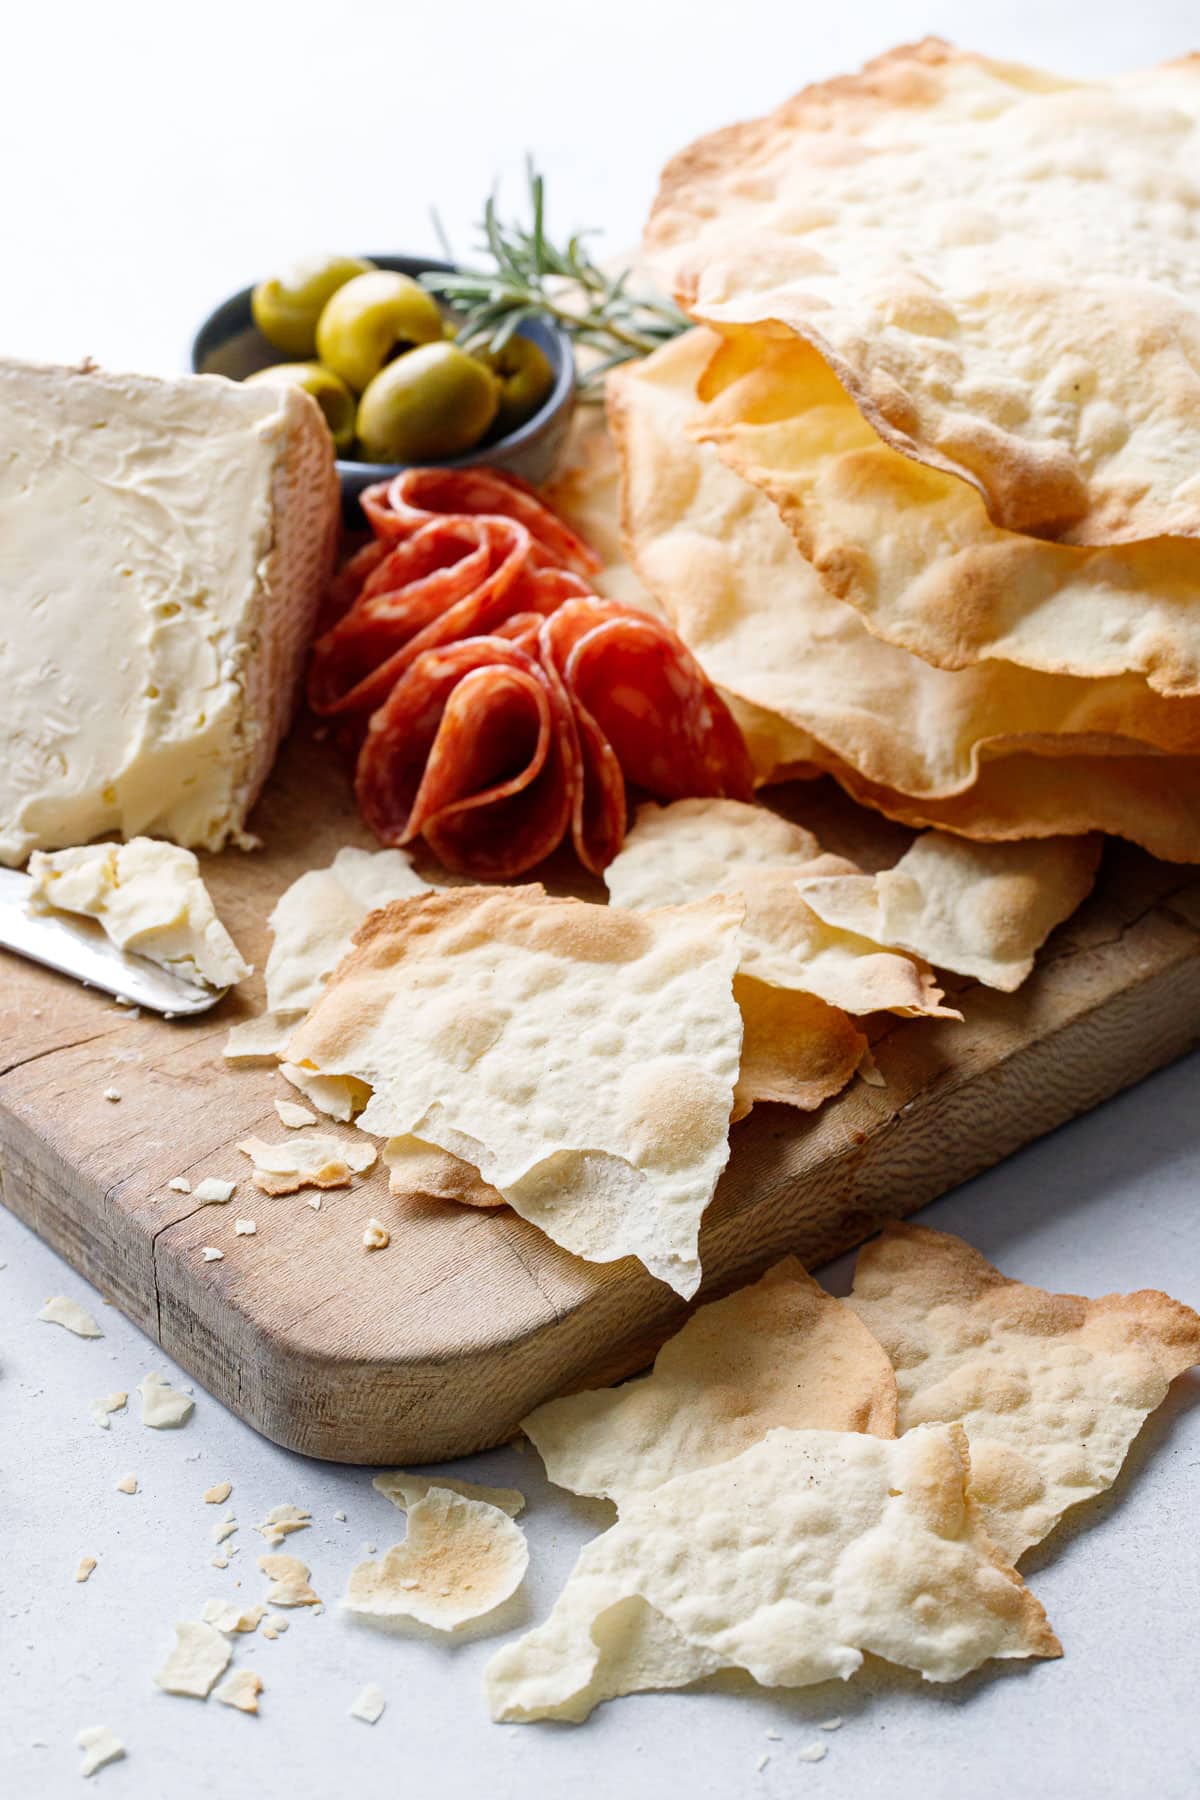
(200, 1657)
(289, 1581)
(294, 1116)
(982, 910)
(86, 1566)
(418, 1171)
(241, 1690)
(217, 1494)
(1051, 1389)
(108, 1403)
(404, 1490)
(369, 1705)
(307, 1159)
(163, 1407)
(281, 1521)
(796, 1050)
(230, 1617)
(695, 848)
(789, 1561)
(446, 1006)
(213, 1191)
(59, 1310)
(100, 1746)
(782, 1352)
(462, 1559)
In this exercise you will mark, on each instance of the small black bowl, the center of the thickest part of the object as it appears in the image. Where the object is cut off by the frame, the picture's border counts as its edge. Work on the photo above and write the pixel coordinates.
(229, 343)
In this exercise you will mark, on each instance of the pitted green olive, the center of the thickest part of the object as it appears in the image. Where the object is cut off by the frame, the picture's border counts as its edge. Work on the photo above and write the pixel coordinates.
(526, 379)
(286, 307)
(331, 395)
(433, 402)
(369, 319)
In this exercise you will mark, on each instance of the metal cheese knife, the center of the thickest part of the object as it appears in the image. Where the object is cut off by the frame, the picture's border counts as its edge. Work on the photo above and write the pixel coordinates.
(77, 946)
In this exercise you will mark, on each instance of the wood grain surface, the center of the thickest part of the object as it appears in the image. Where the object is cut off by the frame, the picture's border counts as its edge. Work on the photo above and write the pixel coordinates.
(440, 1344)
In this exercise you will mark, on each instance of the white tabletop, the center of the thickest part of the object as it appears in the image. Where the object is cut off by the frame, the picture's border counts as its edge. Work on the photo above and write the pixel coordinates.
(154, 158)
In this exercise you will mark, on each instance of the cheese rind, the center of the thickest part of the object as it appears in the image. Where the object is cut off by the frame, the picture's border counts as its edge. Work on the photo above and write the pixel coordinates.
(166, 544)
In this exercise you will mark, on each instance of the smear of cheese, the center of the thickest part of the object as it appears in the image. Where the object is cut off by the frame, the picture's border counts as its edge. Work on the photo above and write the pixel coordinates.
(150, 900)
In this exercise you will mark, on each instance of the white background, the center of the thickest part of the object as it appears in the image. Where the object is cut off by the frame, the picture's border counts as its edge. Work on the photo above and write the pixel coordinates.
(152, 158)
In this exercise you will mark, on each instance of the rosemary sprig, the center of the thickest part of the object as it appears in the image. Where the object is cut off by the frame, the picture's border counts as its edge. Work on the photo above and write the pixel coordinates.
(532, 276)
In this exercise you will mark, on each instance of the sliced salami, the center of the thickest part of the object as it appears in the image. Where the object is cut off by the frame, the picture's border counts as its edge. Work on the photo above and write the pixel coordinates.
(474, 749)
(399, 507)
(647, 696)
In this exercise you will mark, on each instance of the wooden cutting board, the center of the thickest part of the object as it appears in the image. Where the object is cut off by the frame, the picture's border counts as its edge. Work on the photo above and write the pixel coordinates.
(440, 1344)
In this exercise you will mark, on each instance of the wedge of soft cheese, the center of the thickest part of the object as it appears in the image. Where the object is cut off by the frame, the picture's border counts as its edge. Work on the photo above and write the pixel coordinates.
(150, 900)
(165, 544)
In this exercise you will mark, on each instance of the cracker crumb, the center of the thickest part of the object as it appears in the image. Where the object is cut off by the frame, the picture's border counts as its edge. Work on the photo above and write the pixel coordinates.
(110, 1403)
(369, 1705)
(830, 1725)
(340, 1515)
(58, 1310)
(241, 1689)
(289, 1581)
(86, 1565)
(211, 1255)
(376, 1236)
(127, 1484)
(244, 1227)
(212, 1191)
(111, 1093)
(813, 1753)
(292, 1115)
(776, 1737)
(200, 1657)
(281, 1520)
(100, 1746)
(179, 1184)
(762, 1762)
(224, 1530)
(274, 1626)
(218, 1493)
(219, 1561)
(163, 1407)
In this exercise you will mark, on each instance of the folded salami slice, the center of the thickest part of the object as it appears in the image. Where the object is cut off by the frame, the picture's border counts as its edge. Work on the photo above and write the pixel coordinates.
(452, 579)
(632, 679)
(474, 750)
(398, 507)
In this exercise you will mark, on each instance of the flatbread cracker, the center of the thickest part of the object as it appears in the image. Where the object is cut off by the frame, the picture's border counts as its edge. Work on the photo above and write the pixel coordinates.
(982, 910)
(781, 1352)
(1000, 264)
(991, 750)
(1050, 1388)
(462, 1559)
(789, 1561)
(914, 551)
(796, 1050)
(694, 848)
(307, 1159)
(613, 1143)
(404, 1490)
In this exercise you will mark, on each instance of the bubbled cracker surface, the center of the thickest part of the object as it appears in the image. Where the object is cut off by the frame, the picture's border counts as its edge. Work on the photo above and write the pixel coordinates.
(991, 750)
(781, 1352)
(1002, 265)
(1051, 1389)
(789, 1561)
(581, 1058)
(461, 1559)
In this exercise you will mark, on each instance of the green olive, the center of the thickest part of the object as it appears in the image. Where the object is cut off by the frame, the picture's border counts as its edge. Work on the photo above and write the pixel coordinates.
(331, 395)
(286, 307)
(526, 378)
(432, 402)
(369, 319)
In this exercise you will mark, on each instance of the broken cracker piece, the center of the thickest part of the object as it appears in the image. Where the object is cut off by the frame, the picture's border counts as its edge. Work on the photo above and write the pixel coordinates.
(218, 1493)
(376, 1236)
(109, 1403)
(370, 1704)
(163, 1407)
(289, 1582)
(179, 1184)
(127, 1484)
(213, 1191)
(100, 1746)
(201, 1655)
(229, 1617)
(86, 1565)
(244, 1227)
(211, 1255)
(274, 1626)
(790, 1561)
(461, 1559)
(781, 1352)
(404, 1490)
(241, 1689)
(1050, 1388)
(294, 1116)
(225, 1529)
(310, 1159)
(58, 1310)
(281, 1520)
